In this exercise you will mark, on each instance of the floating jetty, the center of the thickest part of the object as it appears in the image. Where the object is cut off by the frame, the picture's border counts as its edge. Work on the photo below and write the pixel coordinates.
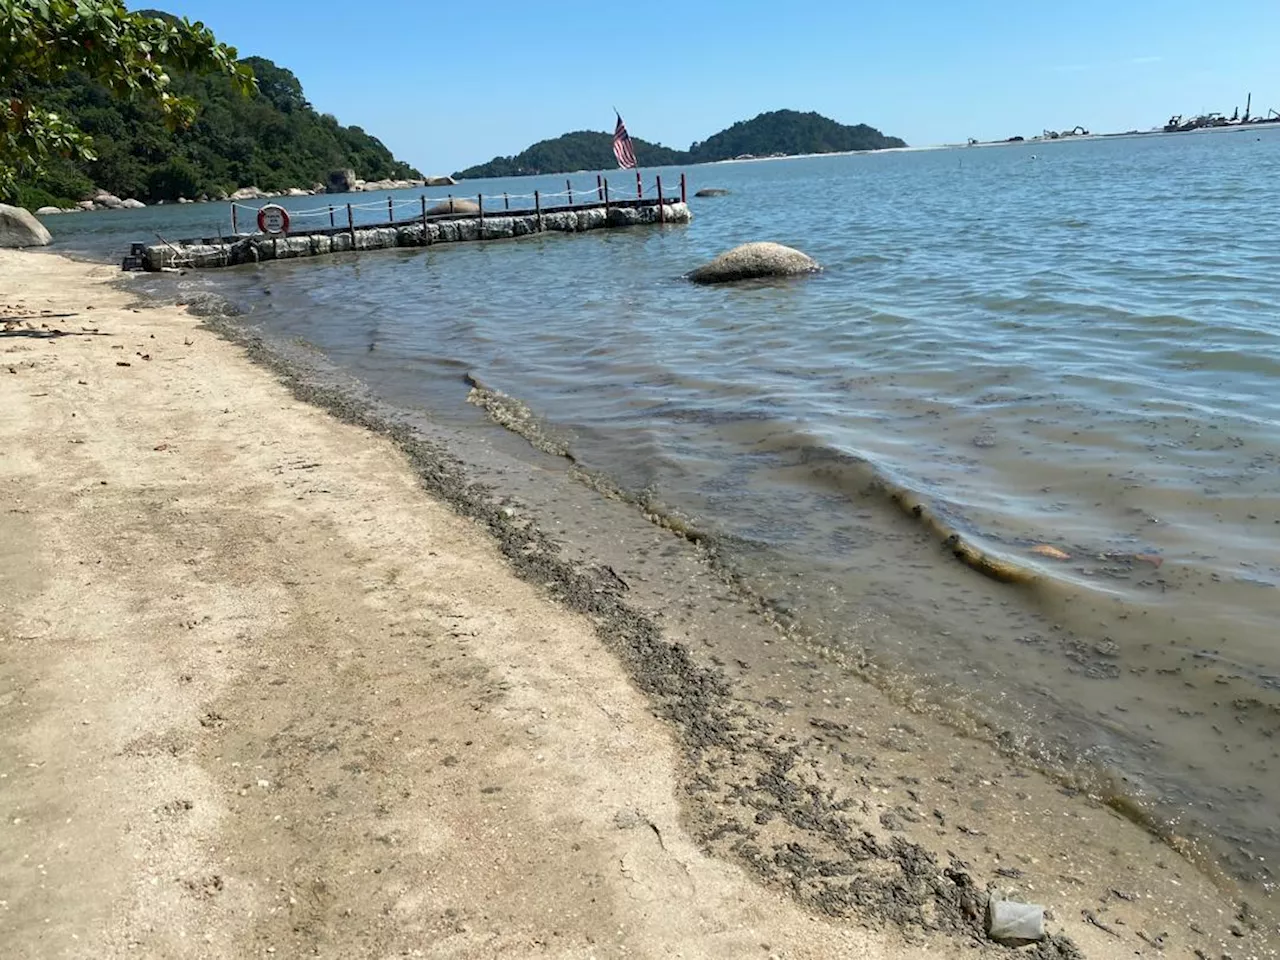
(433, 220)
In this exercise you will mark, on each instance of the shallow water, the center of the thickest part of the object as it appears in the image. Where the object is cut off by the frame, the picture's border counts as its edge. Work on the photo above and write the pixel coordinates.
(1073, 345)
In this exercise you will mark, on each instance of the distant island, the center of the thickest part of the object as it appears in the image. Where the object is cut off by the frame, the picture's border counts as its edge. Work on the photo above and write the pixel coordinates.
(274, 140)
(777, 133)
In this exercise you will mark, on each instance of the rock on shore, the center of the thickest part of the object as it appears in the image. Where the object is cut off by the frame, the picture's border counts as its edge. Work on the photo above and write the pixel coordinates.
(370, 186)
(753, 260)
(456, 205)
(109, 201)
(341, 181)
(20, 228)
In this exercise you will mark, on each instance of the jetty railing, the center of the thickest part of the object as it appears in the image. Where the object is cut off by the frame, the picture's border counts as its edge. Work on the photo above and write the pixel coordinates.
(424, 209)
(393, 221)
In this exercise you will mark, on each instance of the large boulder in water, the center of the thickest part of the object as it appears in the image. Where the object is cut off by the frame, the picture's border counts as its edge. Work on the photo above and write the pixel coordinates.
(712, 192)
(752, 260)
(20, 228)
(465, 207)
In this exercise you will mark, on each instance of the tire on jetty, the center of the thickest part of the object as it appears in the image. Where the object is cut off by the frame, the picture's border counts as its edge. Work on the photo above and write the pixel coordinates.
(457, 205)
(754, 260)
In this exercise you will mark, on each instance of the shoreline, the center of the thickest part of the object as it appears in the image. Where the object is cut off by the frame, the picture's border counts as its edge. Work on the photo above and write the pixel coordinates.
(817, 800)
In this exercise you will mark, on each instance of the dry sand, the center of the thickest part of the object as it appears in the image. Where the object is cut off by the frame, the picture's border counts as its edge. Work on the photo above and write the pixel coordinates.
(260, 695)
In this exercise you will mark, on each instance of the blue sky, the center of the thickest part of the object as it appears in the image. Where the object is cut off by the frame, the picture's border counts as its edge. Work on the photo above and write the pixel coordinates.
(449, 85)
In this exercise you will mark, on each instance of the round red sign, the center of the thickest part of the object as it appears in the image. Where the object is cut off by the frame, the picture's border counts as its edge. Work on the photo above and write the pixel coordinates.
(273, 219)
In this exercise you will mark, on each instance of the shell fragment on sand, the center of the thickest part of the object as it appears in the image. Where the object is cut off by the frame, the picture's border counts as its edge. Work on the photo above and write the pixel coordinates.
(754, 260)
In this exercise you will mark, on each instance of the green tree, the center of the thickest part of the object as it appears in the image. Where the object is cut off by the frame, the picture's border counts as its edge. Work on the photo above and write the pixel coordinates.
(789, 132)
(277, 84)
(178, 177)
(130, 54)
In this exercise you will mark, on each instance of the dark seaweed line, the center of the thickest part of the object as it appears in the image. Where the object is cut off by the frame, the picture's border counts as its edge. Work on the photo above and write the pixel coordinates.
(1054, 765)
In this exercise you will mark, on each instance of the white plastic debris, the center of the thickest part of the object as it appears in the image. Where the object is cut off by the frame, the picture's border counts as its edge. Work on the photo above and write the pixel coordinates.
(1013, 923)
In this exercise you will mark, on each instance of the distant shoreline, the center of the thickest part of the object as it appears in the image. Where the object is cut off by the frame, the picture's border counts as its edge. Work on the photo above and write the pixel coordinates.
(1034, 141)
(1031, 141)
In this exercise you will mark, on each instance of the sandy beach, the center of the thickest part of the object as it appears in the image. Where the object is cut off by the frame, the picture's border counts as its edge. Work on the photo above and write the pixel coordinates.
(276, 684)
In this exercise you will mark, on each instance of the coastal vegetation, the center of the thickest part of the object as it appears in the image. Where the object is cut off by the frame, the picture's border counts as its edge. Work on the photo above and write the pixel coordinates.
(790, 132)
(581, 150)
(779, 132)
(147, 106)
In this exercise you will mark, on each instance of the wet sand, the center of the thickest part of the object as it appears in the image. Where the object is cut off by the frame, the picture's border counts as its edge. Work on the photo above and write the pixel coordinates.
(279, 677)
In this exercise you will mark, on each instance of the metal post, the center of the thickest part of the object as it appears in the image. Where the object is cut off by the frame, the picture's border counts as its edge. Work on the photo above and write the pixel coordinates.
(569, 186)
(480, 204)
(331, 221)
(423, 198)
(599, 189)
(391, 212)
(662, 210)
(639, 187)
(606, 194)
(506, 201)
(234, 226)
(537, 206)
(351, 225)
(682, 189)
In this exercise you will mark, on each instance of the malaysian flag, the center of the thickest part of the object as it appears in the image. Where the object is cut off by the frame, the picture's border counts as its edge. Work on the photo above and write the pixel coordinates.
(622, 148)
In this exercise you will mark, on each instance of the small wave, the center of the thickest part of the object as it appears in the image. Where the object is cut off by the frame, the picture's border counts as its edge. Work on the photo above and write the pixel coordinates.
(212, 305)
(863, 259)
(848, 474)
(515, 415)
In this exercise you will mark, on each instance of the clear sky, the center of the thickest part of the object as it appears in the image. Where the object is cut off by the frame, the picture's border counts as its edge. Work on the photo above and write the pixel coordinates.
(446, 85)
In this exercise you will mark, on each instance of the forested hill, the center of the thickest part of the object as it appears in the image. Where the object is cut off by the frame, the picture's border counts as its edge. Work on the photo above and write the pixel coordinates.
(785, 132)
(273, 140)
(789, 132)
(582, 150)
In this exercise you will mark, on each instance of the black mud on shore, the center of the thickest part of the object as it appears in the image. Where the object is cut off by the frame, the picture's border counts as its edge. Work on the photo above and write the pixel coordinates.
(750, 790)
